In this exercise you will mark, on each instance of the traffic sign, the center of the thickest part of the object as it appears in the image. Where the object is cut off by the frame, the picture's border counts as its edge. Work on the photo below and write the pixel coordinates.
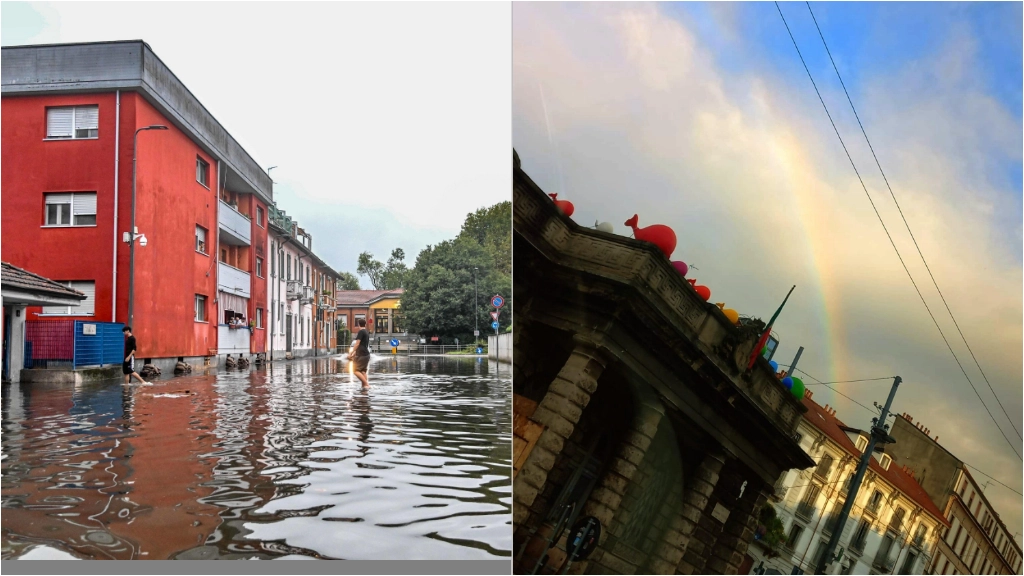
(497, 301)
(494, 315)
(476, 333)
(394, 342)
(495, 325)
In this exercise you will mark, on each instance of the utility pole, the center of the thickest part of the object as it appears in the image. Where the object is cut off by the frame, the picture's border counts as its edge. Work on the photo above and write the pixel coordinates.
(476, 309)
(879, 435)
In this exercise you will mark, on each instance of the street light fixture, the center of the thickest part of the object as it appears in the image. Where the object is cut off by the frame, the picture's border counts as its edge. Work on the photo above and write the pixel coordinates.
(133, 232)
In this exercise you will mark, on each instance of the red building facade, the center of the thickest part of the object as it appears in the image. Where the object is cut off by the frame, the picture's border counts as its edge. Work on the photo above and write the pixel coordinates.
(67, 198)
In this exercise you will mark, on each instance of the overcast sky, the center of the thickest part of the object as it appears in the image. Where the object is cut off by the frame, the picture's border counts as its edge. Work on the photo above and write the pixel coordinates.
(388, 123)
(701, 117)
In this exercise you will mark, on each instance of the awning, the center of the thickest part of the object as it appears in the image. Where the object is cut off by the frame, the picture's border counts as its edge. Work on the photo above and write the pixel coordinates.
(233, 302)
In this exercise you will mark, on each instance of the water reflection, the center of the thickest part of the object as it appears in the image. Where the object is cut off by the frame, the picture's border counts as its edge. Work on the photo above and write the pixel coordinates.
(292, 460)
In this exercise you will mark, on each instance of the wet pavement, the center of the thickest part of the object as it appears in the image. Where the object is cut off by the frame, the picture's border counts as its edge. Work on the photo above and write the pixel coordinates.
(294, 460)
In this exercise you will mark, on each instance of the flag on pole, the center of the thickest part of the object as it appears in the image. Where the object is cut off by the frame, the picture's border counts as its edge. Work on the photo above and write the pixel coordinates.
(767, 332)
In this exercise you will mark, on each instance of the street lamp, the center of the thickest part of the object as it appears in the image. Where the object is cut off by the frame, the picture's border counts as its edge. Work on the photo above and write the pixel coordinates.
(476, 308)
(131, 271)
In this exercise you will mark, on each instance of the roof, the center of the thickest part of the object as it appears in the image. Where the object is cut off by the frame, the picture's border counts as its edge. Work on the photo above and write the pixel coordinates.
(365, 297)
(14, 277)
(902, 481)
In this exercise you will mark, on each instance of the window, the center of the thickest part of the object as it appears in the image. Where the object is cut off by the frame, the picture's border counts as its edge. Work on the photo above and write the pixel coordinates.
(259, 216)
(289, 256)
(824, 466)
(884, 461)
(76, 209)
(862, 443)
(908, 564)
(259, 317)
(200, 239)
(874, 501)
(882, 557)
(820, 552)
(72, 122)
(806, 508)
(259, 267)
(85, 308)
(896, 522)
(793, 539)
(202, 172)
(200, 308)
(860, 536)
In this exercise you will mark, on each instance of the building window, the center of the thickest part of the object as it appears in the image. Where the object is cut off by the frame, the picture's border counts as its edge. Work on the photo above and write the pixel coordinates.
(874, 501)
(908, 564)
(862, 443)
(200, 308)
(202, 172)
(289, 256)
(85, 308)
(259, 216)
(795, 531)
(72, 123)
(861, 535)
(806, 508)
(75, 209)
(896, 522)
(824, 466)
(259, 267)
(259, 317)
(882, 559)
(380, 321)
(884, 461)
(200, 239)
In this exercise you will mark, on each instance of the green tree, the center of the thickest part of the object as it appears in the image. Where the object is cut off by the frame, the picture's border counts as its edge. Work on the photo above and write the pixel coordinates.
(348, 281)
(492, 228)
(374, 269)
(384, 276)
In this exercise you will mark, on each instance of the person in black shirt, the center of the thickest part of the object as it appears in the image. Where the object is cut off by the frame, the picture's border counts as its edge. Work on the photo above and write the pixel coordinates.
(359, 353)
(128, 368)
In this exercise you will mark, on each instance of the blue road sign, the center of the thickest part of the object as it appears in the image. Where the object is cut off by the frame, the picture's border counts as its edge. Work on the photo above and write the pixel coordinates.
(479, 350)
(394, 342)
(497, 301)
(495, 325)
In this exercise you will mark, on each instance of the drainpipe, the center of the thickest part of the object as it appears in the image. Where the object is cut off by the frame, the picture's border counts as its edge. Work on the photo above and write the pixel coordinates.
(117, 175)
(214, 260)
(272, 275)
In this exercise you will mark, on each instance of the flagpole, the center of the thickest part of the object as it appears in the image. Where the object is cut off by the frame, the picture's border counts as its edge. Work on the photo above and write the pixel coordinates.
(767, 331)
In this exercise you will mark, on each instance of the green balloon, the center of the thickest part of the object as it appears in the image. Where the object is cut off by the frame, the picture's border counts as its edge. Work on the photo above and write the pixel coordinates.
(798, 388)
(764, 351)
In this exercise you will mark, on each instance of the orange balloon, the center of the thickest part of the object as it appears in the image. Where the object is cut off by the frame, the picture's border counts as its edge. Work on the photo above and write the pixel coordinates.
(732, 315)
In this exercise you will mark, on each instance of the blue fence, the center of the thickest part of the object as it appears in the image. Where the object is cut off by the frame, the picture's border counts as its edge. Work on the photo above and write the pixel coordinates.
(102, 345)
(72, 343)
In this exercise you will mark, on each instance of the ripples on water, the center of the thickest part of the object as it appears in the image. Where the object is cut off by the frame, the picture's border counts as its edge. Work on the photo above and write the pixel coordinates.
(293, 460)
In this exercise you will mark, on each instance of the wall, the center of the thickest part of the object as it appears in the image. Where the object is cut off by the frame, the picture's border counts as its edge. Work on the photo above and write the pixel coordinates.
(259, 296)
(934, 468)
(500, 347)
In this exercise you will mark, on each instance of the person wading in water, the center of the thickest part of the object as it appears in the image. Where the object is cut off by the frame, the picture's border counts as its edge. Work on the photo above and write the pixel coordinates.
(128, 368)
(359, 353)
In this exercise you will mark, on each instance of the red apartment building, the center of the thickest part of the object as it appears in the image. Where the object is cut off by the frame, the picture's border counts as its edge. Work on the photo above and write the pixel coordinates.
(71, 114)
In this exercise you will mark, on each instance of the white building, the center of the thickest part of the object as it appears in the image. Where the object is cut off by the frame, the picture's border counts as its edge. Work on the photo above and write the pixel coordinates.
(291, 294)
(893, 527)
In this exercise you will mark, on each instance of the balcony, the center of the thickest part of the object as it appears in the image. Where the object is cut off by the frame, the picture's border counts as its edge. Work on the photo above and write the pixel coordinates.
(805, 510)
(232, 340)
(232, 280)
(235, 229)
(294, 290)
(306, 296)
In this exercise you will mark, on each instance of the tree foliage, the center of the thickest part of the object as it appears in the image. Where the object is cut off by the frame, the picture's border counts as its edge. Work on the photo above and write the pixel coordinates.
(384, 276)
(348, 281)
(440, 296)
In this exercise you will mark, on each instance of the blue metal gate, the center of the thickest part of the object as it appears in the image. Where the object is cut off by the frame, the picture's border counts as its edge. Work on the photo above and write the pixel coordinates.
(98, 343)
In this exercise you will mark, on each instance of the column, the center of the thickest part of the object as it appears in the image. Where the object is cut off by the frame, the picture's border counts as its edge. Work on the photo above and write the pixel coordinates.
(17, 353)
(694, 502)
(731, 546)
(608, 502)
(558, 411)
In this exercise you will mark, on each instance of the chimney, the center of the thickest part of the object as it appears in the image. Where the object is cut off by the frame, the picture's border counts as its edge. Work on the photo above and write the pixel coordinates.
(936, 438)
(808, 394)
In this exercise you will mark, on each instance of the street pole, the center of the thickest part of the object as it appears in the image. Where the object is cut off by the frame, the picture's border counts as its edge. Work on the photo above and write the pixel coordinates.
(879, 434)
(791, 371)
(476, 309)
(131, 250)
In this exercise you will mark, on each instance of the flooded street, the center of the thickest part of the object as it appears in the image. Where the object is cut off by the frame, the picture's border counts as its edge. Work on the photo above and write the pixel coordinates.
(294, 460)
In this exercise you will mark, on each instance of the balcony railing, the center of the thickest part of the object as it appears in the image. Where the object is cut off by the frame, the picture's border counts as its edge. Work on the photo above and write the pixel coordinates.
(307, 295)
(236, 229)
(232, 280)
(805, 510)
(872, 507)
(294, 291)
(858, 544)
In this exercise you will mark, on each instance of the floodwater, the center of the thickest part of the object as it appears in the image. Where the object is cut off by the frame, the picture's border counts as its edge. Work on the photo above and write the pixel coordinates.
(291, 461)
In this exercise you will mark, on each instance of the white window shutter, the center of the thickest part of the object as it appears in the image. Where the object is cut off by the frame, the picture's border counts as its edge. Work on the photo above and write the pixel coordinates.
(87, 118)
(59, 122)
(201, 234)
(84, 204)
(59, 199)
(87, 307)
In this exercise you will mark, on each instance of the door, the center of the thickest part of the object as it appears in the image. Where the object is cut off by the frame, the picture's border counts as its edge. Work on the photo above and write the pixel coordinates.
(288, 333)
(7, 345)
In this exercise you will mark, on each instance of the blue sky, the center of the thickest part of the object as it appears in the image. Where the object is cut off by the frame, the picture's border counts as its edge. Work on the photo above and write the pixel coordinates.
(700, 116)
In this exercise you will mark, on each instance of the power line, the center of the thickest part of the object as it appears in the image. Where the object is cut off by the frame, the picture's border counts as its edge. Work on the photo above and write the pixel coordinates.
(875, 412)
(852, 381)
(891, 241)
(893, 194)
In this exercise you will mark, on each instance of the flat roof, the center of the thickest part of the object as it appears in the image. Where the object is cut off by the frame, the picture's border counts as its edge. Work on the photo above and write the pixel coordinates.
(131, 65)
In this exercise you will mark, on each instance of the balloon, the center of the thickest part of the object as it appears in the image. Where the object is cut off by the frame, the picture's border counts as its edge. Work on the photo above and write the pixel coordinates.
(564, 205)
(798, 388)
(604, 227)
(788, 383)
(732, 315)
(774, 365)
(658, 234)
(704, 292)
(681, 267)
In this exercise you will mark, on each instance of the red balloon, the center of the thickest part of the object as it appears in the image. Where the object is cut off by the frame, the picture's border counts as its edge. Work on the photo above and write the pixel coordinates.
(704, 292)
(681, 267)
(658, 234)
(564, 205)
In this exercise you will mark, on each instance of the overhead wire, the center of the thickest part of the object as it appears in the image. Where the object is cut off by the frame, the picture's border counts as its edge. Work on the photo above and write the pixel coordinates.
(893, 194)
(888, 235)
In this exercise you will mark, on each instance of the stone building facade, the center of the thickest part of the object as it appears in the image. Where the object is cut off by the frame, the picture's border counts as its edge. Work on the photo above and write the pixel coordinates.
(634, 406)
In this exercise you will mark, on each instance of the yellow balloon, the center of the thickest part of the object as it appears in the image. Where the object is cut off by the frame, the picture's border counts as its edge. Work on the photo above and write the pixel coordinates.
(732, 315)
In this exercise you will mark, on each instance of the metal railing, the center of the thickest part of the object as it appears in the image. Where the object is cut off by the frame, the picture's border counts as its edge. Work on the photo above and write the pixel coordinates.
(805, 510)
(72, 343)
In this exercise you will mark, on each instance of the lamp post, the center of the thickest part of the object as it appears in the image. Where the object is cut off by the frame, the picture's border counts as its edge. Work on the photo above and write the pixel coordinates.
(131, 265)
(476, 309)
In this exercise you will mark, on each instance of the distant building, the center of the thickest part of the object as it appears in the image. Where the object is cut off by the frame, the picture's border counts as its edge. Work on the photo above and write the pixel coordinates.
(978, 542)
(893, 527)
(382, 310)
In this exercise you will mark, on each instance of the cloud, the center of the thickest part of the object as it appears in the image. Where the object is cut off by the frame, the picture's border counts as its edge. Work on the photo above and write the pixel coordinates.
(621, 109)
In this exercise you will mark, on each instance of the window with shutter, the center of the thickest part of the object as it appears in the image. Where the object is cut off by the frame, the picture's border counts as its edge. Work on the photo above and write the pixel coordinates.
(85, 307)
(200, 239)
(60, 122)
(202, 172)
(87, 120)
(83, 206)
(63, 209)
(200, 308)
